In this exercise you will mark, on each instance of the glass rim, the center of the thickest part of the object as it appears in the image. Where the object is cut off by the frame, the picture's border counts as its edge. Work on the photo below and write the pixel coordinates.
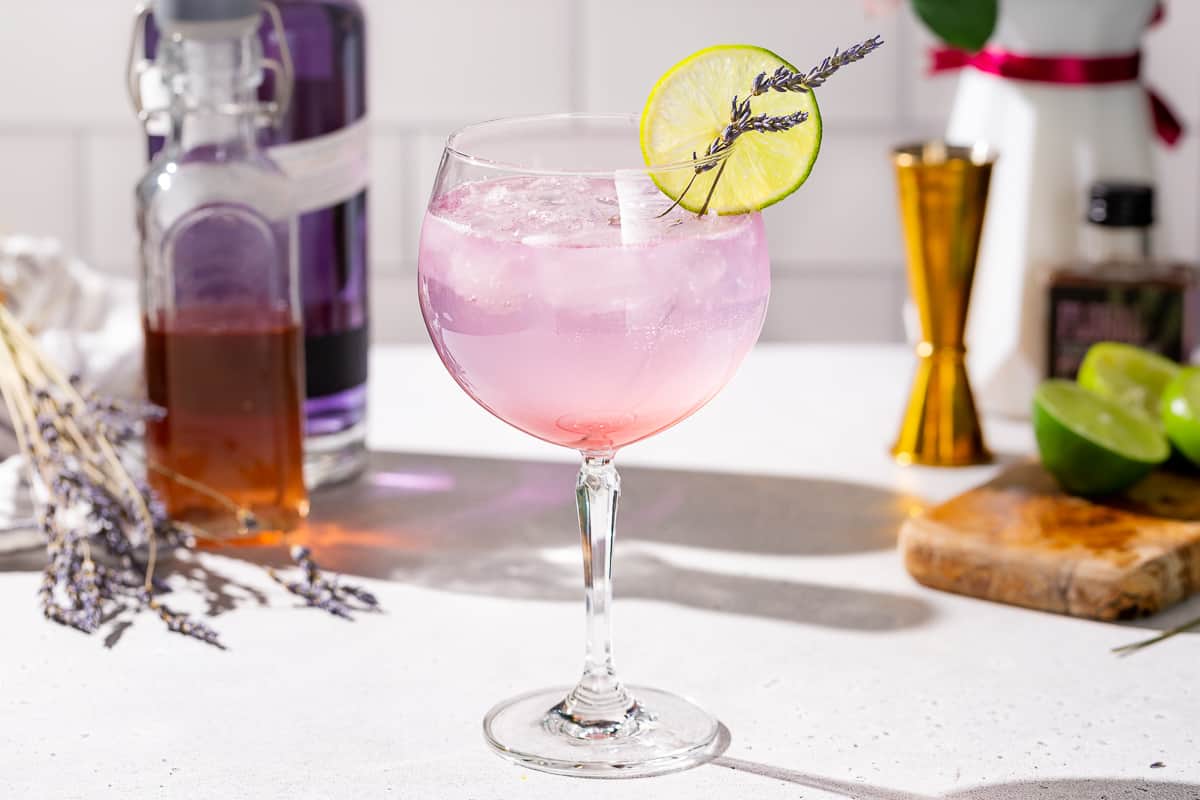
(452, 148)
(935, 152)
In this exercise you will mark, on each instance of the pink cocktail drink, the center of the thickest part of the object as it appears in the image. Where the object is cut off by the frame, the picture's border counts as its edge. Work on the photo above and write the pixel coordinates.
(569, 296)
(570, 290)
(569, 308)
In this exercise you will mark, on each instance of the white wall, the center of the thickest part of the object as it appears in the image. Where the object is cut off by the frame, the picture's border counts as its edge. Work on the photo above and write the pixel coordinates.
(70, 149)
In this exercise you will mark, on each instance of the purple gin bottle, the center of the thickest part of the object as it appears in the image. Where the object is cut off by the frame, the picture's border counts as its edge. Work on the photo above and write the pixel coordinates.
(321, 144)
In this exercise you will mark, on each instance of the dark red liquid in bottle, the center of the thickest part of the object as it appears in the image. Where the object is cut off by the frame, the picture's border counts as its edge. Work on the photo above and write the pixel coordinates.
(231, 381)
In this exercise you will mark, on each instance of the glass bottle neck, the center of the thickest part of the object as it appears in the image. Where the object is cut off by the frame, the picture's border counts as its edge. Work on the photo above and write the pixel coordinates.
(214, 92)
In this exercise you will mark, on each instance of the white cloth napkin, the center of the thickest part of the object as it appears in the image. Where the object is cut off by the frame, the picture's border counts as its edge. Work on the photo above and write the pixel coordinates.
(87, 322)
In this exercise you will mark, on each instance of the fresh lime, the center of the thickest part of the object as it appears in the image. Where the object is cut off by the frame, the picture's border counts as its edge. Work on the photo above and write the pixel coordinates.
(690, 106)
(1091, 444)
(1180, 411)
(1133, 377)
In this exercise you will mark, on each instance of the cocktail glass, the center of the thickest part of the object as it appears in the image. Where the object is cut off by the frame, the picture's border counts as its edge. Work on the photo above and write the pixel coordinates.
(568, 297)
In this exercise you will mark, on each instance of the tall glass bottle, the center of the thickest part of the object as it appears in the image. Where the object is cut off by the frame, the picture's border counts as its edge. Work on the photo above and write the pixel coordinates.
(220, 289)
(321, 143)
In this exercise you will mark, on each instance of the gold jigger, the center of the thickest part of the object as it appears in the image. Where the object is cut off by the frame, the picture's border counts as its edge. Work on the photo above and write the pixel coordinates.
(943, 193)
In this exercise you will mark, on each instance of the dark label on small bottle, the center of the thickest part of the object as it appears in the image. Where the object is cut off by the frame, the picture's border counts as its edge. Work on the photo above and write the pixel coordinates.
(1149, 316)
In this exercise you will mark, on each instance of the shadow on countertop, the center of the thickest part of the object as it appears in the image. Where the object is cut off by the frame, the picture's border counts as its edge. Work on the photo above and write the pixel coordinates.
(507, 528)
(458, 499)
(498, 527)
(1048, 789)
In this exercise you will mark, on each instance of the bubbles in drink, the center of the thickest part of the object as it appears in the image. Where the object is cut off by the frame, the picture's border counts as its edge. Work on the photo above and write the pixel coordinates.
(573, 211)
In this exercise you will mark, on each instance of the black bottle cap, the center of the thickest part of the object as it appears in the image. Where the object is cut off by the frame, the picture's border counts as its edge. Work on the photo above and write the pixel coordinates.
(1121, 205)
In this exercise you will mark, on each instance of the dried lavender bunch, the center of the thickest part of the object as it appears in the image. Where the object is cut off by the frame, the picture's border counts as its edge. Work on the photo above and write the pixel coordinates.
(328, 594)
(102, 522)
(101, 525)
(182, 623)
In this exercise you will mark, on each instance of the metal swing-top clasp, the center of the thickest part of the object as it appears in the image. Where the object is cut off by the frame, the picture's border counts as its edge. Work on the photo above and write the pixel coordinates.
(138, 67)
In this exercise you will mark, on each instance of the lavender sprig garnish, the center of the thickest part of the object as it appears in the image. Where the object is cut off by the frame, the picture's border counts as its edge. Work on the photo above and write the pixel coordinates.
(742, 120)
(319, 591)
(783, 80)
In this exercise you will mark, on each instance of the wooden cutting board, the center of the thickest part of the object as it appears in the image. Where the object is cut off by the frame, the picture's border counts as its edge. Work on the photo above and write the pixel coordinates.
(1020, 540)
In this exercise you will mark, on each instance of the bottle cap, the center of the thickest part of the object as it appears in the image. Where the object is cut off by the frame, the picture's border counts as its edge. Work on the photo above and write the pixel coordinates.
(1121, 205)
(168, 13)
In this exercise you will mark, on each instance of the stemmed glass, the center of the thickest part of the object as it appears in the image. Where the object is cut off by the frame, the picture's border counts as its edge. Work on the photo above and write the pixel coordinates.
(568, 297)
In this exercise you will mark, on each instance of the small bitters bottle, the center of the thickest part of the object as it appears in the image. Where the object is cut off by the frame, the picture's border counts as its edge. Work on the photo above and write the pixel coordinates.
(1118, 292)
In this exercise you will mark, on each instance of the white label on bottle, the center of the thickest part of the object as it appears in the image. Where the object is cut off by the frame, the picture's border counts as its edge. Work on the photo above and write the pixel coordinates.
(326, 170)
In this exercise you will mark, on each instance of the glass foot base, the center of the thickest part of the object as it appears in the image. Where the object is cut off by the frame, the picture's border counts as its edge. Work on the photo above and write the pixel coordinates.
(667, 734)
(334, 458)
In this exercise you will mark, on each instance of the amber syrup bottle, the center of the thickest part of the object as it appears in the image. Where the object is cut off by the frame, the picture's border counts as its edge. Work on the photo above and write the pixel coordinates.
(220, 291)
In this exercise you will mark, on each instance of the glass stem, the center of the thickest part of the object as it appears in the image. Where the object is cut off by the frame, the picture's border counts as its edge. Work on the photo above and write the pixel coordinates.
(599, 705)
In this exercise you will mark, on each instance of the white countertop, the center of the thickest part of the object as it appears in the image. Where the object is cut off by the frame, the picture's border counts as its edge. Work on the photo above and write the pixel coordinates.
(755, 572)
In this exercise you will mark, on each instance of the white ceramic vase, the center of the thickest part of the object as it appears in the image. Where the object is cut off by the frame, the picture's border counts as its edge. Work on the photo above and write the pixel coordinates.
(1053, 142)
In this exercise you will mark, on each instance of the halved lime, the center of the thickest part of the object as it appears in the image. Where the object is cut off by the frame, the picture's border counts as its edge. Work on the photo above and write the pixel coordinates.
(690, 106)
(1133, 377)
(1093, 445)
(1180, 411)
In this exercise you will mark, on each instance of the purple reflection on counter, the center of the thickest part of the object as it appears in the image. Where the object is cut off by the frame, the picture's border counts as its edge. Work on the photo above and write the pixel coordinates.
(422, 482)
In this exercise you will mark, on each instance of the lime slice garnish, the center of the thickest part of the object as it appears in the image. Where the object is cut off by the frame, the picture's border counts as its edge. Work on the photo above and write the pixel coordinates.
(1091, 444)
(690, 106)
(1133, 377)
(1180, 410)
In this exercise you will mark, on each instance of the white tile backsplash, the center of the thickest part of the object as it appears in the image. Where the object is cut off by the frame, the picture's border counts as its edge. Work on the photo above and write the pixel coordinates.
(846, 212)
(843, 306)
(395, 313)
(1170, 61)
(70, 150)
(386, 208)
(113, 163)
(39, 184)
(1177, 234)
(629, 43)
(64, 62)
(925, 96)
(467, 60)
